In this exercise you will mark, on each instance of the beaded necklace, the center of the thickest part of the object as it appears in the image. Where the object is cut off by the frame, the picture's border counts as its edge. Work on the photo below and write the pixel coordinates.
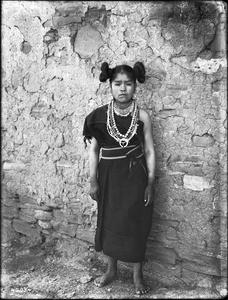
(124, 112)
(122, 139)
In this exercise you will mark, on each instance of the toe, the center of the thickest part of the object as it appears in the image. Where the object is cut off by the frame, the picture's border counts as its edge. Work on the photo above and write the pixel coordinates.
(146, 290)
(97, 283)
(143, 291)
(138, 292)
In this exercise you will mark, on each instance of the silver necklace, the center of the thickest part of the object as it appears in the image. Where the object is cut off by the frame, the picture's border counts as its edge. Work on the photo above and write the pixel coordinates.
(122, 139)
(124, 112)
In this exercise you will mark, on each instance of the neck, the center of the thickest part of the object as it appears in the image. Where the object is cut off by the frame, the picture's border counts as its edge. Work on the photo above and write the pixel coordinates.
(123, 105)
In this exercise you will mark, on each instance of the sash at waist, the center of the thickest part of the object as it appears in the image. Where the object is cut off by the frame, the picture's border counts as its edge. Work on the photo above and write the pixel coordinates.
(120, 152)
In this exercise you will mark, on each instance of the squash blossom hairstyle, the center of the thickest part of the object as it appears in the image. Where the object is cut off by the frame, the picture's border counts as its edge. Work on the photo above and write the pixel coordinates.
(137, 72)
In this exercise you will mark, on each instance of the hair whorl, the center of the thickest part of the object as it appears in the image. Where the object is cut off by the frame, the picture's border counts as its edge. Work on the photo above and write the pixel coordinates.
(105, 72)
(140, 72)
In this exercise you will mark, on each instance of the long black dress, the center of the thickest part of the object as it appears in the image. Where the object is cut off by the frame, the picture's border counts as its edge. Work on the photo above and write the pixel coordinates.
(123, 221)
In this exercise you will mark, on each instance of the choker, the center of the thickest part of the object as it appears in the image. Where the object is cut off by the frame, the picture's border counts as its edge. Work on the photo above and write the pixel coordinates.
(124, 112)
(122, 139)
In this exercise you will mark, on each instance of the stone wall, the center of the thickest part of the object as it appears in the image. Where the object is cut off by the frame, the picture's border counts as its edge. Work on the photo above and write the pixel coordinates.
(51, 57)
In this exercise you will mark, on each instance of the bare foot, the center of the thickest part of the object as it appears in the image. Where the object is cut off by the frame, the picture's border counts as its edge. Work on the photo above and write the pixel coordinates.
(140, 286)
(105, 279)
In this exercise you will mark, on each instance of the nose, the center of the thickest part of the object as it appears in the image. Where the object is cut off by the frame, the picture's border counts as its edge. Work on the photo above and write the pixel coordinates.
(123, 87)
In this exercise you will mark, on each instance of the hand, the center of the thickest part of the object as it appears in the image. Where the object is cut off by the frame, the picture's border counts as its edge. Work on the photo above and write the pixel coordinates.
(149, 194)
(94, 191)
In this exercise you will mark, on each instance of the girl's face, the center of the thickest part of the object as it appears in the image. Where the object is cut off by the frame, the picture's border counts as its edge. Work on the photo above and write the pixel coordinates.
(122, 88)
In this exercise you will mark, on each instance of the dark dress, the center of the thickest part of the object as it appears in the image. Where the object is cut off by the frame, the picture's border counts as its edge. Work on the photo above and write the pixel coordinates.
(123, 221)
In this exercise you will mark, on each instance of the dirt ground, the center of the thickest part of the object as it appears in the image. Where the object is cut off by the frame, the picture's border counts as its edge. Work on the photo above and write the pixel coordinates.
(50, 271)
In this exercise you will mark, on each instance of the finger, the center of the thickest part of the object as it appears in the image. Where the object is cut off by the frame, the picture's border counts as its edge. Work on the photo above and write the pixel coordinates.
(146, 201)
(150, 201)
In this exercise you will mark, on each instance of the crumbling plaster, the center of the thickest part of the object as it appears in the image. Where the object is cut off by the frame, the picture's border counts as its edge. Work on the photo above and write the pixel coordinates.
(51, 57)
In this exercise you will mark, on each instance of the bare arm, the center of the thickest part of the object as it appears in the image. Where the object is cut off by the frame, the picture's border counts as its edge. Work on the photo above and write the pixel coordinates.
(149, 154)
(93, 163)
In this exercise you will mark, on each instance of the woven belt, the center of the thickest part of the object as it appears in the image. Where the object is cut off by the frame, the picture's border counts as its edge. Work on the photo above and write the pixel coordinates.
(120, 152)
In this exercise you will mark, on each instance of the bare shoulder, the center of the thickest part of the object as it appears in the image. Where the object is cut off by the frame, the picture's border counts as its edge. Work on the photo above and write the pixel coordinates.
(144, 116)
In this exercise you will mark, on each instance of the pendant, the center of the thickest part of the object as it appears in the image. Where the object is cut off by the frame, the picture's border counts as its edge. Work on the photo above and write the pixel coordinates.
(123, 143)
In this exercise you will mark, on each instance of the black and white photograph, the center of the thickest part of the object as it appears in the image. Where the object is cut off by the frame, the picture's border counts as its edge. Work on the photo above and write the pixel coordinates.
(114, 149)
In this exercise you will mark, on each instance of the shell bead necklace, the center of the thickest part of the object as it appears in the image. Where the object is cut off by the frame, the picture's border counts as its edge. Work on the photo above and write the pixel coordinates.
(122, 139)
(124, 112)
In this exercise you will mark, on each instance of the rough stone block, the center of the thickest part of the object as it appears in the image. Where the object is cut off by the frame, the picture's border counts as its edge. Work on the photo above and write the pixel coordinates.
(51, 36)
(72, 218)
(161, 10)
(171, 233)
(203, 141)
(59, 215)
(10, 201)
(156, 251)
(32, 82)
(43, 215)
(195, 183)
(64, 163)
(80, 220)
(197, 257)
(213, 270)
(166, 113)
(27, 211)
(45, 225)
(7, 231)
(35, 207)
(186, 168)
(205, 283)
(17, 77)
(177, 87)
(216, 85)
(163, 268)
(70, 230)
(27, 199)
(7, 223)
(8, 166)
(87, 42)
(85, 235)
(63, 21)
(27, 218)
(26, 47)
(189, 277)
(24, 228)
(48, 23)
(70, 8)
(9, 211)
(55, 203)
(39, 110)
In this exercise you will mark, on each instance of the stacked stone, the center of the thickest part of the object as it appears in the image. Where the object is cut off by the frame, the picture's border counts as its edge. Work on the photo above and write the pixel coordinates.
(24, 218)
(51, 63)
(9, 211)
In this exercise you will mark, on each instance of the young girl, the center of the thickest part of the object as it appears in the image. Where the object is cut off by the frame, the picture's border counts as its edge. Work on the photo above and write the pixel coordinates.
(122, 172)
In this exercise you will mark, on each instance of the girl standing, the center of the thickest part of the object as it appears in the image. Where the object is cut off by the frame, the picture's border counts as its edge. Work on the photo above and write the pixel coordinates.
(122, 173)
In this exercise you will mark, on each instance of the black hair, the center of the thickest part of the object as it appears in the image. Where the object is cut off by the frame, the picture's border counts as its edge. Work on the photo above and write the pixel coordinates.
(137, 72)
